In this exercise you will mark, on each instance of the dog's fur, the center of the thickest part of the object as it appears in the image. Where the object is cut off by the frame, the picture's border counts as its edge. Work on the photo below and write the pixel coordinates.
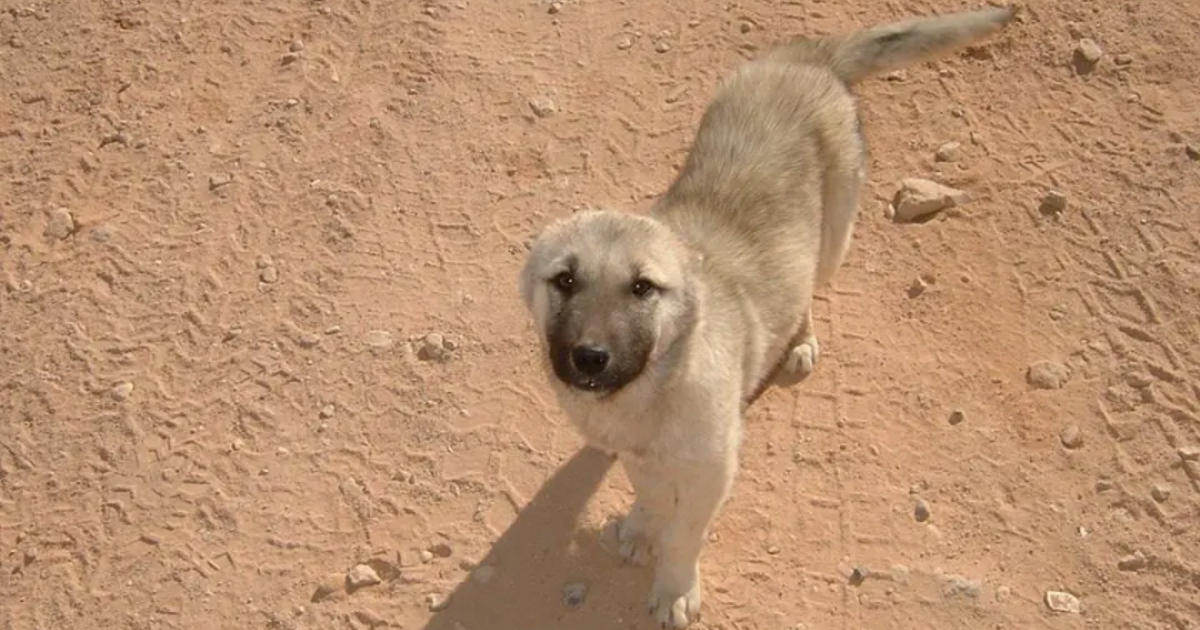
(698, 304)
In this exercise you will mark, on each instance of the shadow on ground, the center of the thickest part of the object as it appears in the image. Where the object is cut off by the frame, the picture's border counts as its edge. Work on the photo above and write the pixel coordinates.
(542, 553)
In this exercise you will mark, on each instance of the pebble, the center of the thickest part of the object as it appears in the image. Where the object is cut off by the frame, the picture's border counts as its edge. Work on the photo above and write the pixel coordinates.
(1053, 204)
(380, 339)
(554, 8)
(426, 556)
(958, 587)
(624, 43)
(219, 180)
(949, 152)
(917, 287)
(327, 412)
(956, 417)
(1088, 51)
(1192, 151)
(662, 46)
(1059, 601)
(1071, 437)
(296, 46)
(574, 593)
(1135, 561)
(858, 575)
(437, 603)
(289, 58)
(1047, 375)
(333, 585)
(918, 198)
(1189, 453)
(746, 26)
(60, 225)
(1003, 593)
(1123, 59)
(542, 106)
(362, 575)
(269, 275)
(121, 391)
(441, 550)
(435, 347)
(101, 234)
(921, 511)
(1160, 492)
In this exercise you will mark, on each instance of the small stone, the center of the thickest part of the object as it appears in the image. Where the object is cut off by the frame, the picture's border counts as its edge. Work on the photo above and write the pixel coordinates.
(1160, 492)
(958, 587)
(442, 550)
(554, 8)
(101, 234)
(327, 412)
(949, 152)
(289, 58)
(746, 26)
(296, 46)
(484, 574)
(219, 180)
(1123, 59)
(1104, 485)
(362, 576)
(897, 76)
(426, 556)
(121, 391)
(1088, 51)
(433, 348)
(332, 586)
(624, 43)
(1048, 375)
(542, 106)
(917, 287)
(437, 603)
(1135, 561)
(662, 46)
(60, 224)
(1059, 601)
(858, 575)
(774, 550)
(921, 511)
(380, 339)
(1053, 204)
(1189, 453)
(1192, 151)
(956, 417)
(269, 275)
(1003, 593)
(1071, 437)
(919, 198)
(574, 594)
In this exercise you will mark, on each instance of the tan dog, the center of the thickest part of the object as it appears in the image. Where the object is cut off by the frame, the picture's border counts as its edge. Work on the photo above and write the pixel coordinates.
(661, 329)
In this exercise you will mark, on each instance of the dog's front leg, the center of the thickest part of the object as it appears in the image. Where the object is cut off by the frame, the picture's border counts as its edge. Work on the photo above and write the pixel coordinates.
(700, 490)
(640, 530)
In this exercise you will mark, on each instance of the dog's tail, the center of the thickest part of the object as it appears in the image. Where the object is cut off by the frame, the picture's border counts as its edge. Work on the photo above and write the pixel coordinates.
(857, 55)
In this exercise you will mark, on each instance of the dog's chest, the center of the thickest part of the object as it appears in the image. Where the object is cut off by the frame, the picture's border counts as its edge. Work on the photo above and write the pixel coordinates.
(610, 428)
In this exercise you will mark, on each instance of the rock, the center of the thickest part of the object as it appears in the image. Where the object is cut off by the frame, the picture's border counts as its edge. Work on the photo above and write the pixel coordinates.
(1048, 375)
(1160, 492)
(746, 26)
(1088, 52)
(1192, 151)
(1123, 59)
(919, 198)
(441, 550)
(219, 180)
(958, 587)
(121, 391)
(434, 347)
(1053, 204)
(1135, 561)
(60, 224)
(949, 152)
(1189, 453)
(1059, 601)
(437, 603)
(542, 106)
(296, 46)
(269, 275)
(327, 411)
(917, 287)
(289, 58)
(380, 339)
(956, 417)
(1003, 593)
(858, 575)
(1071, 437)
(426, 556)
(897, 76)
(624, 43)
(554, 8)
(921, 511)
(361, 576)
(101, 234)
(574, 593)
(331, 587)
(662, 46)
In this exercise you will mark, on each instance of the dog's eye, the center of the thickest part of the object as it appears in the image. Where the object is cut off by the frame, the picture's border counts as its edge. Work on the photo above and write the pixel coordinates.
(564, 282)
(642, 287)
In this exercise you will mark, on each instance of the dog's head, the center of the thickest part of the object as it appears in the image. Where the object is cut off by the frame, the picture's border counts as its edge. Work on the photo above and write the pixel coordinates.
(609, 294)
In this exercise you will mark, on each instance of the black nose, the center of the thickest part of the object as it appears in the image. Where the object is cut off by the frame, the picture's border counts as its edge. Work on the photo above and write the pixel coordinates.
(590, 360)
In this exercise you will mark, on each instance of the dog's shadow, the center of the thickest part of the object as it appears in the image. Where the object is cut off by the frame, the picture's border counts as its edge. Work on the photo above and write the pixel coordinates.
(545, 572)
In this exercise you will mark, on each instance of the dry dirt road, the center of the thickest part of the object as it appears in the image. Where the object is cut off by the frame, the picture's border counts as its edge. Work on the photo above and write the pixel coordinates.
(260, 325)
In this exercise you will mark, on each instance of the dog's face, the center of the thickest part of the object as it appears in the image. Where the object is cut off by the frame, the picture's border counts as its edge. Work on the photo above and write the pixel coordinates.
(609, 294)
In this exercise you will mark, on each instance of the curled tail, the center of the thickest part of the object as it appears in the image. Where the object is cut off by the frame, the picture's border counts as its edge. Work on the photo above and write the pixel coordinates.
(857, 55)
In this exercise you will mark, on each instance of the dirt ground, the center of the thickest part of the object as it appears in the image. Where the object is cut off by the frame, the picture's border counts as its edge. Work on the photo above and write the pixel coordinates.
(260, 323)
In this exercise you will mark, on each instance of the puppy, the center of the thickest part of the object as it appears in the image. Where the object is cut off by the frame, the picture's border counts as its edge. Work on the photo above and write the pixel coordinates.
(660, 329)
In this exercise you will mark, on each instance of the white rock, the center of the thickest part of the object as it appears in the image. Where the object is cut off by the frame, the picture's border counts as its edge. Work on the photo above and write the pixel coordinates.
(1059, 601)
(362, 575)
(918, 198)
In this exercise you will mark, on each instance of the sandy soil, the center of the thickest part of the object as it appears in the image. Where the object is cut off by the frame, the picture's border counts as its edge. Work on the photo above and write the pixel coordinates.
(260, 324)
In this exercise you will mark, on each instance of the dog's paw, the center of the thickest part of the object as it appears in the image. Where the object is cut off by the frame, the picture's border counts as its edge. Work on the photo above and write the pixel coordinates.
(636, 543)
(675, 603)
(802, 358)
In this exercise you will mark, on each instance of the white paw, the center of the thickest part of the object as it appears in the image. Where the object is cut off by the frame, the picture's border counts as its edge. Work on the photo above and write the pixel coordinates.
(675, 603)
(637, 545)
(802, 358)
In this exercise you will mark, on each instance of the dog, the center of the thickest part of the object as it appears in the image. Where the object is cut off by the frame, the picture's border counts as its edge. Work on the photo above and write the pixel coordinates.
(660, 329)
